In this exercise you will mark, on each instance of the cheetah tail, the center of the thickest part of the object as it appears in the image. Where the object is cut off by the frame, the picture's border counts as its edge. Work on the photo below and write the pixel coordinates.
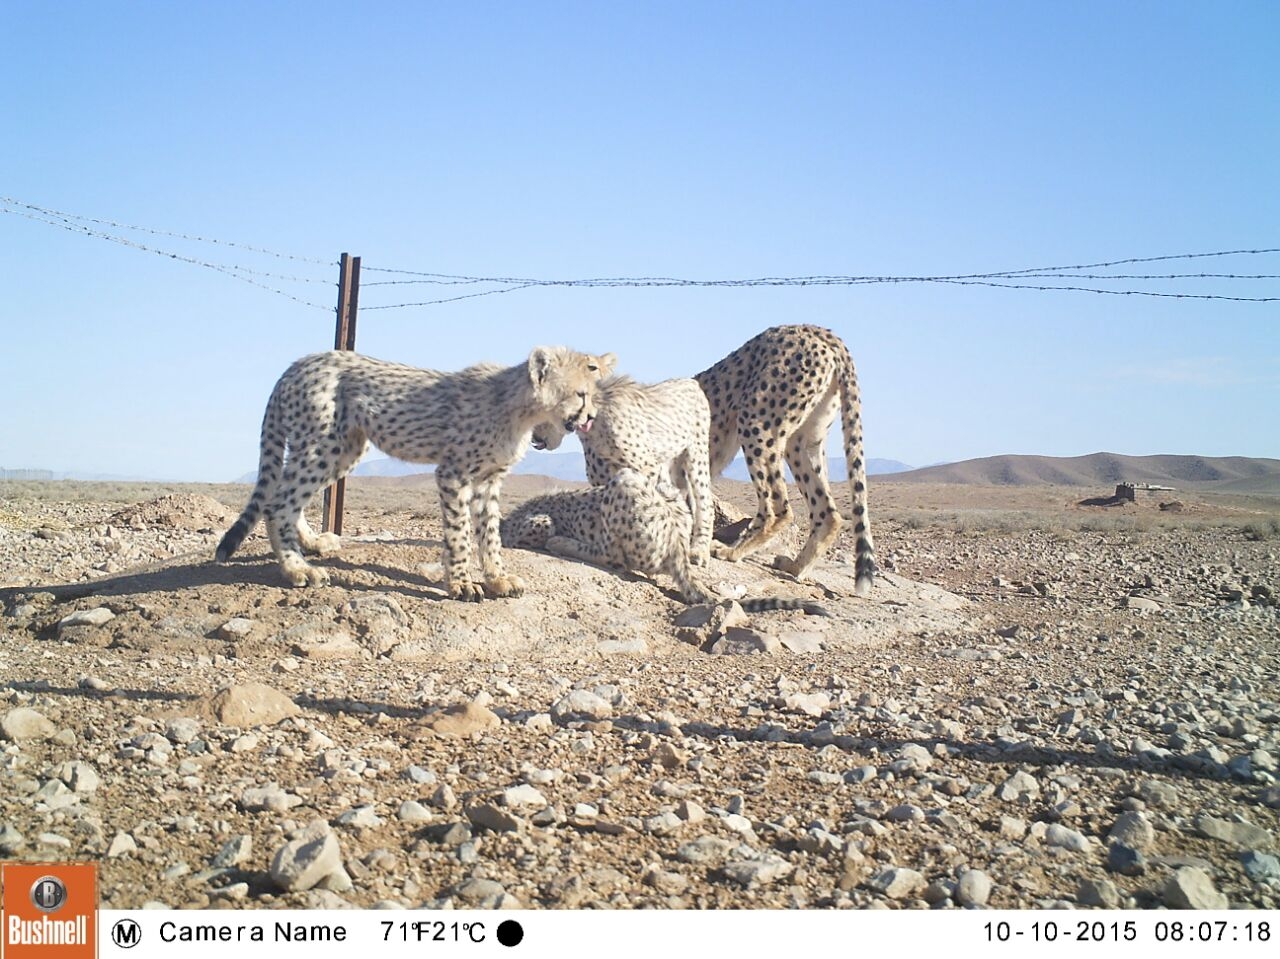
(766, 603)
(270, 464)
(851, 423)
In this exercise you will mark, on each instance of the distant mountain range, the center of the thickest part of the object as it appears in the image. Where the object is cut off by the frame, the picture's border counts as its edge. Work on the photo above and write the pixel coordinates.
(1224, 474)
(572, 466)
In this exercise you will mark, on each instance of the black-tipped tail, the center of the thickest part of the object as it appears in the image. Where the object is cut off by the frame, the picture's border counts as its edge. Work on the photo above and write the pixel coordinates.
(231, 542)
(866, 568)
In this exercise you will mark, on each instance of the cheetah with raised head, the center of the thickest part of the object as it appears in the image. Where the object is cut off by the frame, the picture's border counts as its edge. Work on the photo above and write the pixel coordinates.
(774, 397)
(660, 430)
(633, 522)
(473, 424)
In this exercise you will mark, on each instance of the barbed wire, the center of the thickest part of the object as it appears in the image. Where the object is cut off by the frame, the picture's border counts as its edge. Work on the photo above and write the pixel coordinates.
(10, 201)
(242, 273)
(998, 279)
(1002, 279)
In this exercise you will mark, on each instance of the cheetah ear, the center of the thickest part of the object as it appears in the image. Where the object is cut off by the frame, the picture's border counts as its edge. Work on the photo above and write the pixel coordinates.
(602, 366)
(541, 362)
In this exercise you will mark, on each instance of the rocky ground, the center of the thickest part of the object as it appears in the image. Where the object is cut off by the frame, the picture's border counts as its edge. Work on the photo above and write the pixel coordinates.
(1042, 704)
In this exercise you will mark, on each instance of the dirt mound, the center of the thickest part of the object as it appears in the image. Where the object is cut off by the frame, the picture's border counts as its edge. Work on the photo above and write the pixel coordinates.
(177, 511)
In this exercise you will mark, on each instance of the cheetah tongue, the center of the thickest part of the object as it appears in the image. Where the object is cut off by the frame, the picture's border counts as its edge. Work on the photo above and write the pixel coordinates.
(586, 427)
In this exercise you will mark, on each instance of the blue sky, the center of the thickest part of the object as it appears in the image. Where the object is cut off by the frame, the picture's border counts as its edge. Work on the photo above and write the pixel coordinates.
(700, 140)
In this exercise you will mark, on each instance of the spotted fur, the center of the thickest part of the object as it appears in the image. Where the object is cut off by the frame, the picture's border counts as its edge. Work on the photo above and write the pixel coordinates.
(660, 430)
(775, 397)
(633, 522)
(473, 424)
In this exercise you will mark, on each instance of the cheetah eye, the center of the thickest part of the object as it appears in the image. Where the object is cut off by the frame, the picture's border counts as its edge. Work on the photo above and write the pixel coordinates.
(592, 368)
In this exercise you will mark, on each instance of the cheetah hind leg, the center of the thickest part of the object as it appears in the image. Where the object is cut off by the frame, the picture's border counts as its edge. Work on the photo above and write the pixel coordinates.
(319, 544)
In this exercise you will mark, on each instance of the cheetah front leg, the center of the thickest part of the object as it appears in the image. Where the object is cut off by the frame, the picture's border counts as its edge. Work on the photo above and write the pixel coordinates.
(455, 514)
(497, 582)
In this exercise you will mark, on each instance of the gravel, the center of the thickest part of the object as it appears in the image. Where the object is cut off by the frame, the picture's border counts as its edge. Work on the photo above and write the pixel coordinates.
(1028, 738)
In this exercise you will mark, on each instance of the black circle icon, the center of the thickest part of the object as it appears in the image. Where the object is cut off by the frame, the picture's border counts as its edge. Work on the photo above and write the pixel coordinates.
(510, 932)
(126, 933)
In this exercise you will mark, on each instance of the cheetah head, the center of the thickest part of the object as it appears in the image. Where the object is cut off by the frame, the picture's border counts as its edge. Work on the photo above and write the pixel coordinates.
(564, 387)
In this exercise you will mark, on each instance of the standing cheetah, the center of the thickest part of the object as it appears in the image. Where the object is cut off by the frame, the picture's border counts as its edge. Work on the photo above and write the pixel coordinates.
(633, 522)
(660, 430)
(473, 424)
(776, 396)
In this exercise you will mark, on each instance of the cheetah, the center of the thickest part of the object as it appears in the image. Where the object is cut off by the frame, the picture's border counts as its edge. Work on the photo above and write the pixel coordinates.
(776, 397)
(661, 430)
(473, 424)
(634, 522)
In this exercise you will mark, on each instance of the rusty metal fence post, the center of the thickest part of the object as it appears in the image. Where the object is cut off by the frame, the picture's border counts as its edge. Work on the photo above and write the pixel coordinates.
(344, 338)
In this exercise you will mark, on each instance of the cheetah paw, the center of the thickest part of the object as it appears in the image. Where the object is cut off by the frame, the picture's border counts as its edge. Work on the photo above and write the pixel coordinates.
(504, 586)
(328, 543)
(302, 574)
(466, 591)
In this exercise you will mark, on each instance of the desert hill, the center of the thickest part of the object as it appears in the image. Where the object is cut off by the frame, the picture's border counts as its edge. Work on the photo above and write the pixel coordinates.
(1226, 474)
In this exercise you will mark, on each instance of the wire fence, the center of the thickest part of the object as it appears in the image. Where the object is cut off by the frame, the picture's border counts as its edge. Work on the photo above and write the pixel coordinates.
(1050, 278)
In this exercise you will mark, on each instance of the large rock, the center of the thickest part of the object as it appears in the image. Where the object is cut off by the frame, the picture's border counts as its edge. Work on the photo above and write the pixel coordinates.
(303, 862)
(461, 721)
(1191, 888)
(26, 723)
(252, 704)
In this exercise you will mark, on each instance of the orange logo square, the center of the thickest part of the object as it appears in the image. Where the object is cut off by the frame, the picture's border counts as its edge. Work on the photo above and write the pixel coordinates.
(49, 910)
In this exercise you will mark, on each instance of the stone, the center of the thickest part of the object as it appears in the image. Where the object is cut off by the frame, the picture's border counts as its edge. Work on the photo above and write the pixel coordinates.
(303, 862)
(234, 852)
(1010, 827)
(269, 798)
(80, 776)
(913, 759)
(973, 889)
(413, 811)
(462, 720)
(182, 730)
(253, 704)
(810, 704)
(1098, 892)
(581, 704)
(523, 795)
(1125, 860)
(705, 850)
(1055, 834)
(361, 817)
(87, 617)
(1133, 829)
(233, 629)
(739, 641)
(121, 845)
(1260, 866)
(1142, 604)
(10, 840)
(1021, 787)
(493, 817)
(897, 882)
(755, 872)
(802, 643)
(1240, 833)
(25, 723)
(1191, 888)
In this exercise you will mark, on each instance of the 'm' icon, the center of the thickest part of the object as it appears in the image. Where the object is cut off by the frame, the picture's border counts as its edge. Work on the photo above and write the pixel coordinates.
(126, 933)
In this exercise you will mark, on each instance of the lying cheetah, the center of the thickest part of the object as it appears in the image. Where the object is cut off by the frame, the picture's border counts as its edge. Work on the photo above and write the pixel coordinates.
(633, 522)
(661, 431)
(776, 396)
(473, 424)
